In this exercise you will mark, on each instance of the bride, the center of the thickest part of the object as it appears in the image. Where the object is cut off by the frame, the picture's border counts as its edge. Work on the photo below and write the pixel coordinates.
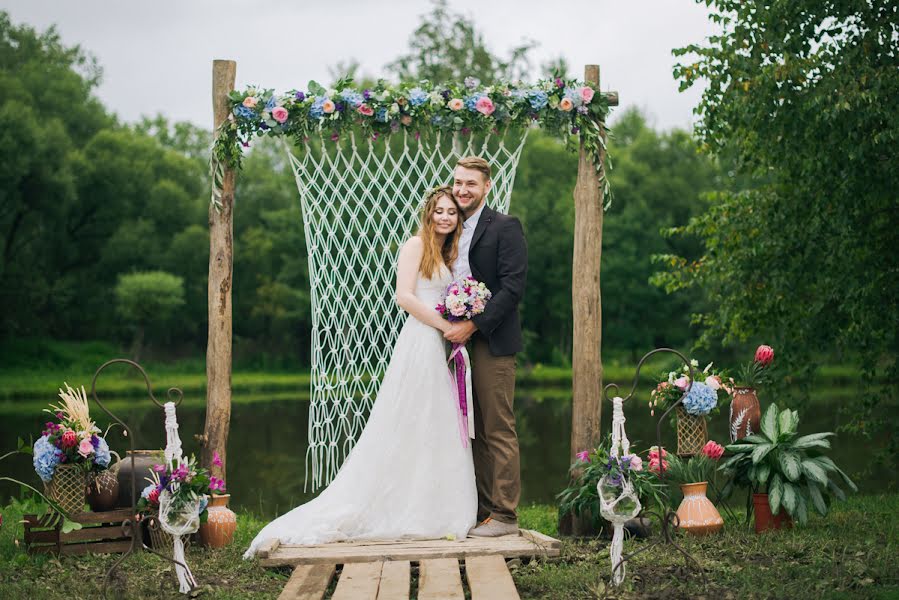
(408, 476)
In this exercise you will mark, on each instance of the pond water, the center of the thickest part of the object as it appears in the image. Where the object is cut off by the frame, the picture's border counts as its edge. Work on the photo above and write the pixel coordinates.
(266, 470)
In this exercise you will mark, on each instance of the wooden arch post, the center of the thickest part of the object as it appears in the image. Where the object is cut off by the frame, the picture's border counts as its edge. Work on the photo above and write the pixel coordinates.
(586, 375)
(221, 260)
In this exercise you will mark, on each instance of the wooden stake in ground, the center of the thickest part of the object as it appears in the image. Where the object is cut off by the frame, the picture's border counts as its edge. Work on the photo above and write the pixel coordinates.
(221, 260)
(586, 303)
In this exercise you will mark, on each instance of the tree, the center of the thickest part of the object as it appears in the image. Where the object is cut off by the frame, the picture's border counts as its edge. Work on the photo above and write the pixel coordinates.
(805, 96)
(147, 299)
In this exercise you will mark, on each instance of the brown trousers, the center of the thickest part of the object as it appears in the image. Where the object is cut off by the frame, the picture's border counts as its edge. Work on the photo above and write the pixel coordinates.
(495, 446)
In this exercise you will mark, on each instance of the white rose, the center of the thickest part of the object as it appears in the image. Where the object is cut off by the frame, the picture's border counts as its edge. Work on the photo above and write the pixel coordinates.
(394, 108)
(331, 93)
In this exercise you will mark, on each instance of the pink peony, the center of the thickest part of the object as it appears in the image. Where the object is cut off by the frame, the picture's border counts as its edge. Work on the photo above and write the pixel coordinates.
(682, 382)
(583, 456)
(636, 463)
(455, 104)
(279, 114)
(69, 439)
(328, 106)
(485, 106)
(713, 450)
(250, 101)
(586, 94)
(566, 104)
(85, 448)
(764, 355)
(366, 110)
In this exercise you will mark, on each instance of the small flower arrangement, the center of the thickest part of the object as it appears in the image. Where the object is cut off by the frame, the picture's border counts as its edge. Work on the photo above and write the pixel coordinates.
(185, 482)
(758, 371)
(698, 468)
(73, 439)
(464, 299)
(703, 395)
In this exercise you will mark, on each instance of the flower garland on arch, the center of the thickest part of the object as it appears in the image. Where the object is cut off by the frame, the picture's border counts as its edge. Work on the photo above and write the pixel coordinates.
(571, 110)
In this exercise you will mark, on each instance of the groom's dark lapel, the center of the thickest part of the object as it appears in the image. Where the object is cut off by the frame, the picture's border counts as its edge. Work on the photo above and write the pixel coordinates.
(486, 218)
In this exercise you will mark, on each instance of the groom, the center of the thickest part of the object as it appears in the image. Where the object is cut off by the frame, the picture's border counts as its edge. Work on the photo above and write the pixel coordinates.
(492, 250)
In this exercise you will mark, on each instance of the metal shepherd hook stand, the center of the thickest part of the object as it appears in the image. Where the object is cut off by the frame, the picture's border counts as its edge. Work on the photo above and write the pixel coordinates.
(130, 527)
(667, 517)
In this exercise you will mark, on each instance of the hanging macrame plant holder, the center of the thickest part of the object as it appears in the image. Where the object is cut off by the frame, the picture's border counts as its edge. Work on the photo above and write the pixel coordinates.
(618, 502)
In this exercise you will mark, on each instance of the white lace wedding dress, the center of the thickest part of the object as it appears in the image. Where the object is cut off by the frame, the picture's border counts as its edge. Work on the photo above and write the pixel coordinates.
(408, 476)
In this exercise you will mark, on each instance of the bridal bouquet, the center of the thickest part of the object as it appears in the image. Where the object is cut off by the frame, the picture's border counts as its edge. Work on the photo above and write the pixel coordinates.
(463, 300)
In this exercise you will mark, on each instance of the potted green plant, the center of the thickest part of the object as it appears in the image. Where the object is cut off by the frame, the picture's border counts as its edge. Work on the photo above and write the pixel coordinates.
(786, 471)
(697, 514)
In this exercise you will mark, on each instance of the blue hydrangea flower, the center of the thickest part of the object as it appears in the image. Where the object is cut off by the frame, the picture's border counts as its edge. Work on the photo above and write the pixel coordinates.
(538, 99)
(101, 452)
(270, 104)
(437, 120)
(701, 399)
(45, 459)
(519, 95)
(204, 502)
(381, 114)
(417, 96)
(471, 101)
(572, 94)
(351, 97)
(244, 112)
(316, 111)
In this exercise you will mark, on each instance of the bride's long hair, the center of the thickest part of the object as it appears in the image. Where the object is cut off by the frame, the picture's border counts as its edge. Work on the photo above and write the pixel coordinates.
(436, 254)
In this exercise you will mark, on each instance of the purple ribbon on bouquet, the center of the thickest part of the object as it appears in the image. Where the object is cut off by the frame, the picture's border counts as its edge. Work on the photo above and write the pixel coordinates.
(462, 386)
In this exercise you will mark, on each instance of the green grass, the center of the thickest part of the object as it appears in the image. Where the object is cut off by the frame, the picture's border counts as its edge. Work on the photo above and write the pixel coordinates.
(849, 554)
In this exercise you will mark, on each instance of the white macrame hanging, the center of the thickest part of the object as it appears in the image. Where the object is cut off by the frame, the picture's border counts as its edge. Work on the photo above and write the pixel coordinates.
(618, 503)
(360, 202)
(186, 519)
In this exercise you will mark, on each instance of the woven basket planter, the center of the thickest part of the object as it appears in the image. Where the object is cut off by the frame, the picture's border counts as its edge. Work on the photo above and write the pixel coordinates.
(692, 433)
(161, 540)
(68, 488)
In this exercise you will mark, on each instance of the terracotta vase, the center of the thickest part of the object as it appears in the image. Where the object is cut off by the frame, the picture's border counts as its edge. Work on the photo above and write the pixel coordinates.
(696, 513)
(745, 413)
(218, 530)
(143, 467)
(764, 520)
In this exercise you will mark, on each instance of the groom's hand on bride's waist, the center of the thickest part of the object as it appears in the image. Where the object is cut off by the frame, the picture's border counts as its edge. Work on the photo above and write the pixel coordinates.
(460, 332)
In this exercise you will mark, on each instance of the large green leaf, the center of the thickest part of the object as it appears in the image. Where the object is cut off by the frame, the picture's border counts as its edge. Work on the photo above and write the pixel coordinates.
(791, 498)
(754, 439)
(775, 493)
(801, 507)
(787, 422)
(737, 448)
(815, 440)
(835, 490)
(848, 481)
(814, 471)
(769, 423)
(760, 452)
(814, 492)
(790, 465)
(762, 472)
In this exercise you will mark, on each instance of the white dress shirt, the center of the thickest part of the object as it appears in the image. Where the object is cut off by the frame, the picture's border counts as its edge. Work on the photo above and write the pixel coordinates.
(462, 268)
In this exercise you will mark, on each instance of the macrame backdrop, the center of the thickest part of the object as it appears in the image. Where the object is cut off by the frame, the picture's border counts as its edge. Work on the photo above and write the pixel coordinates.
(361, 200)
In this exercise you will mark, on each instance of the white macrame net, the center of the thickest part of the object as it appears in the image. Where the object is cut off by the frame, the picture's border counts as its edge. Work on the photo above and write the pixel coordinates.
(618, 503)
(360, 202)
(186, 519)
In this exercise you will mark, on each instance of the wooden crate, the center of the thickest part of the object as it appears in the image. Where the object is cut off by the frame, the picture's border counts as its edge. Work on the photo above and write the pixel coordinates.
(100, 533)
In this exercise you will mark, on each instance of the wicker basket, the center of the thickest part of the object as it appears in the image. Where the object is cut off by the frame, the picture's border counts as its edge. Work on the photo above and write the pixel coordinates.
(692, 433)
(160, 540)
(68, 488)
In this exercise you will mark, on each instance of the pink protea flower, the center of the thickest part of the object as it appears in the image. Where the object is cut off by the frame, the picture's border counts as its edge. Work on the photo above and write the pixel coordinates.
(485, 106)
(586, 94)
(153, 496)
(713, 450)
(69, 439)
(583, 456)
(366, 110)
(764, 355)
(279, 114)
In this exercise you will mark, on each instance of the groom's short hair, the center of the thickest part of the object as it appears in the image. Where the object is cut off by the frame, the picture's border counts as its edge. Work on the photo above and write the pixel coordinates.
(476, 163)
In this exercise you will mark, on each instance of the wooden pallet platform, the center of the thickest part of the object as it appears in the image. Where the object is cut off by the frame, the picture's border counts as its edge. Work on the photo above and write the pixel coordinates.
(487, 577)
(100, 533)
(527, 543)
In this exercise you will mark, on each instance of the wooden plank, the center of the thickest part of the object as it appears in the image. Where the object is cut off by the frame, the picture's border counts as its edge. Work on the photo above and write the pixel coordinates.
(509, 547)
(439, 579)
(489, 577)
(308, 582)
(359, 581)
(95, 548)
(267, 547)
(109, 516)
(395, 580)
(112, 532)
(539, 539)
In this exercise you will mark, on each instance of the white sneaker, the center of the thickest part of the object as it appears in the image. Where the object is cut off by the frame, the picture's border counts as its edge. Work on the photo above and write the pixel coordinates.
(493, 528)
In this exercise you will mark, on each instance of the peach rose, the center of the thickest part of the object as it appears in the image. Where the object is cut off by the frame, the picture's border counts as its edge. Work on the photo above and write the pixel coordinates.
(566, 104)
(250, 101)
(328, 106)
(455, 104)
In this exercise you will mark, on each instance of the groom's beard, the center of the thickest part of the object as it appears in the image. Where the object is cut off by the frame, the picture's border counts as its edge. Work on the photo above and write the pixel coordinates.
(473, 207)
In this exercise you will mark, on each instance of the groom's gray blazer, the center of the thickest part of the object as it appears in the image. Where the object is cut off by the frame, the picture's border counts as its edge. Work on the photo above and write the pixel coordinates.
(498, 256)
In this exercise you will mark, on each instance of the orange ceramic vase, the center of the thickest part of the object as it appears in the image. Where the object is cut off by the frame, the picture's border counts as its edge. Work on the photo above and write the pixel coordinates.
(696, 513)
(218, 530)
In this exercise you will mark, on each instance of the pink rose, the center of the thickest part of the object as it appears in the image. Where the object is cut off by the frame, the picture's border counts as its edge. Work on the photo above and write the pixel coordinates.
(586, 94)
(714, 382)
(566, 104)
(366, 110)
(328, 106)
(682, 382)
(458, 310)
(250, 101)
(636, 463)
(583, 456)
(85, 448)
(485, 106)
(713, 450)
(279, 114)
(455, 104)
(764, 355)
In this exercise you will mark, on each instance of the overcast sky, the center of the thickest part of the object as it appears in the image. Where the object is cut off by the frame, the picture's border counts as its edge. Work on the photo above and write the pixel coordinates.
(157, 55)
